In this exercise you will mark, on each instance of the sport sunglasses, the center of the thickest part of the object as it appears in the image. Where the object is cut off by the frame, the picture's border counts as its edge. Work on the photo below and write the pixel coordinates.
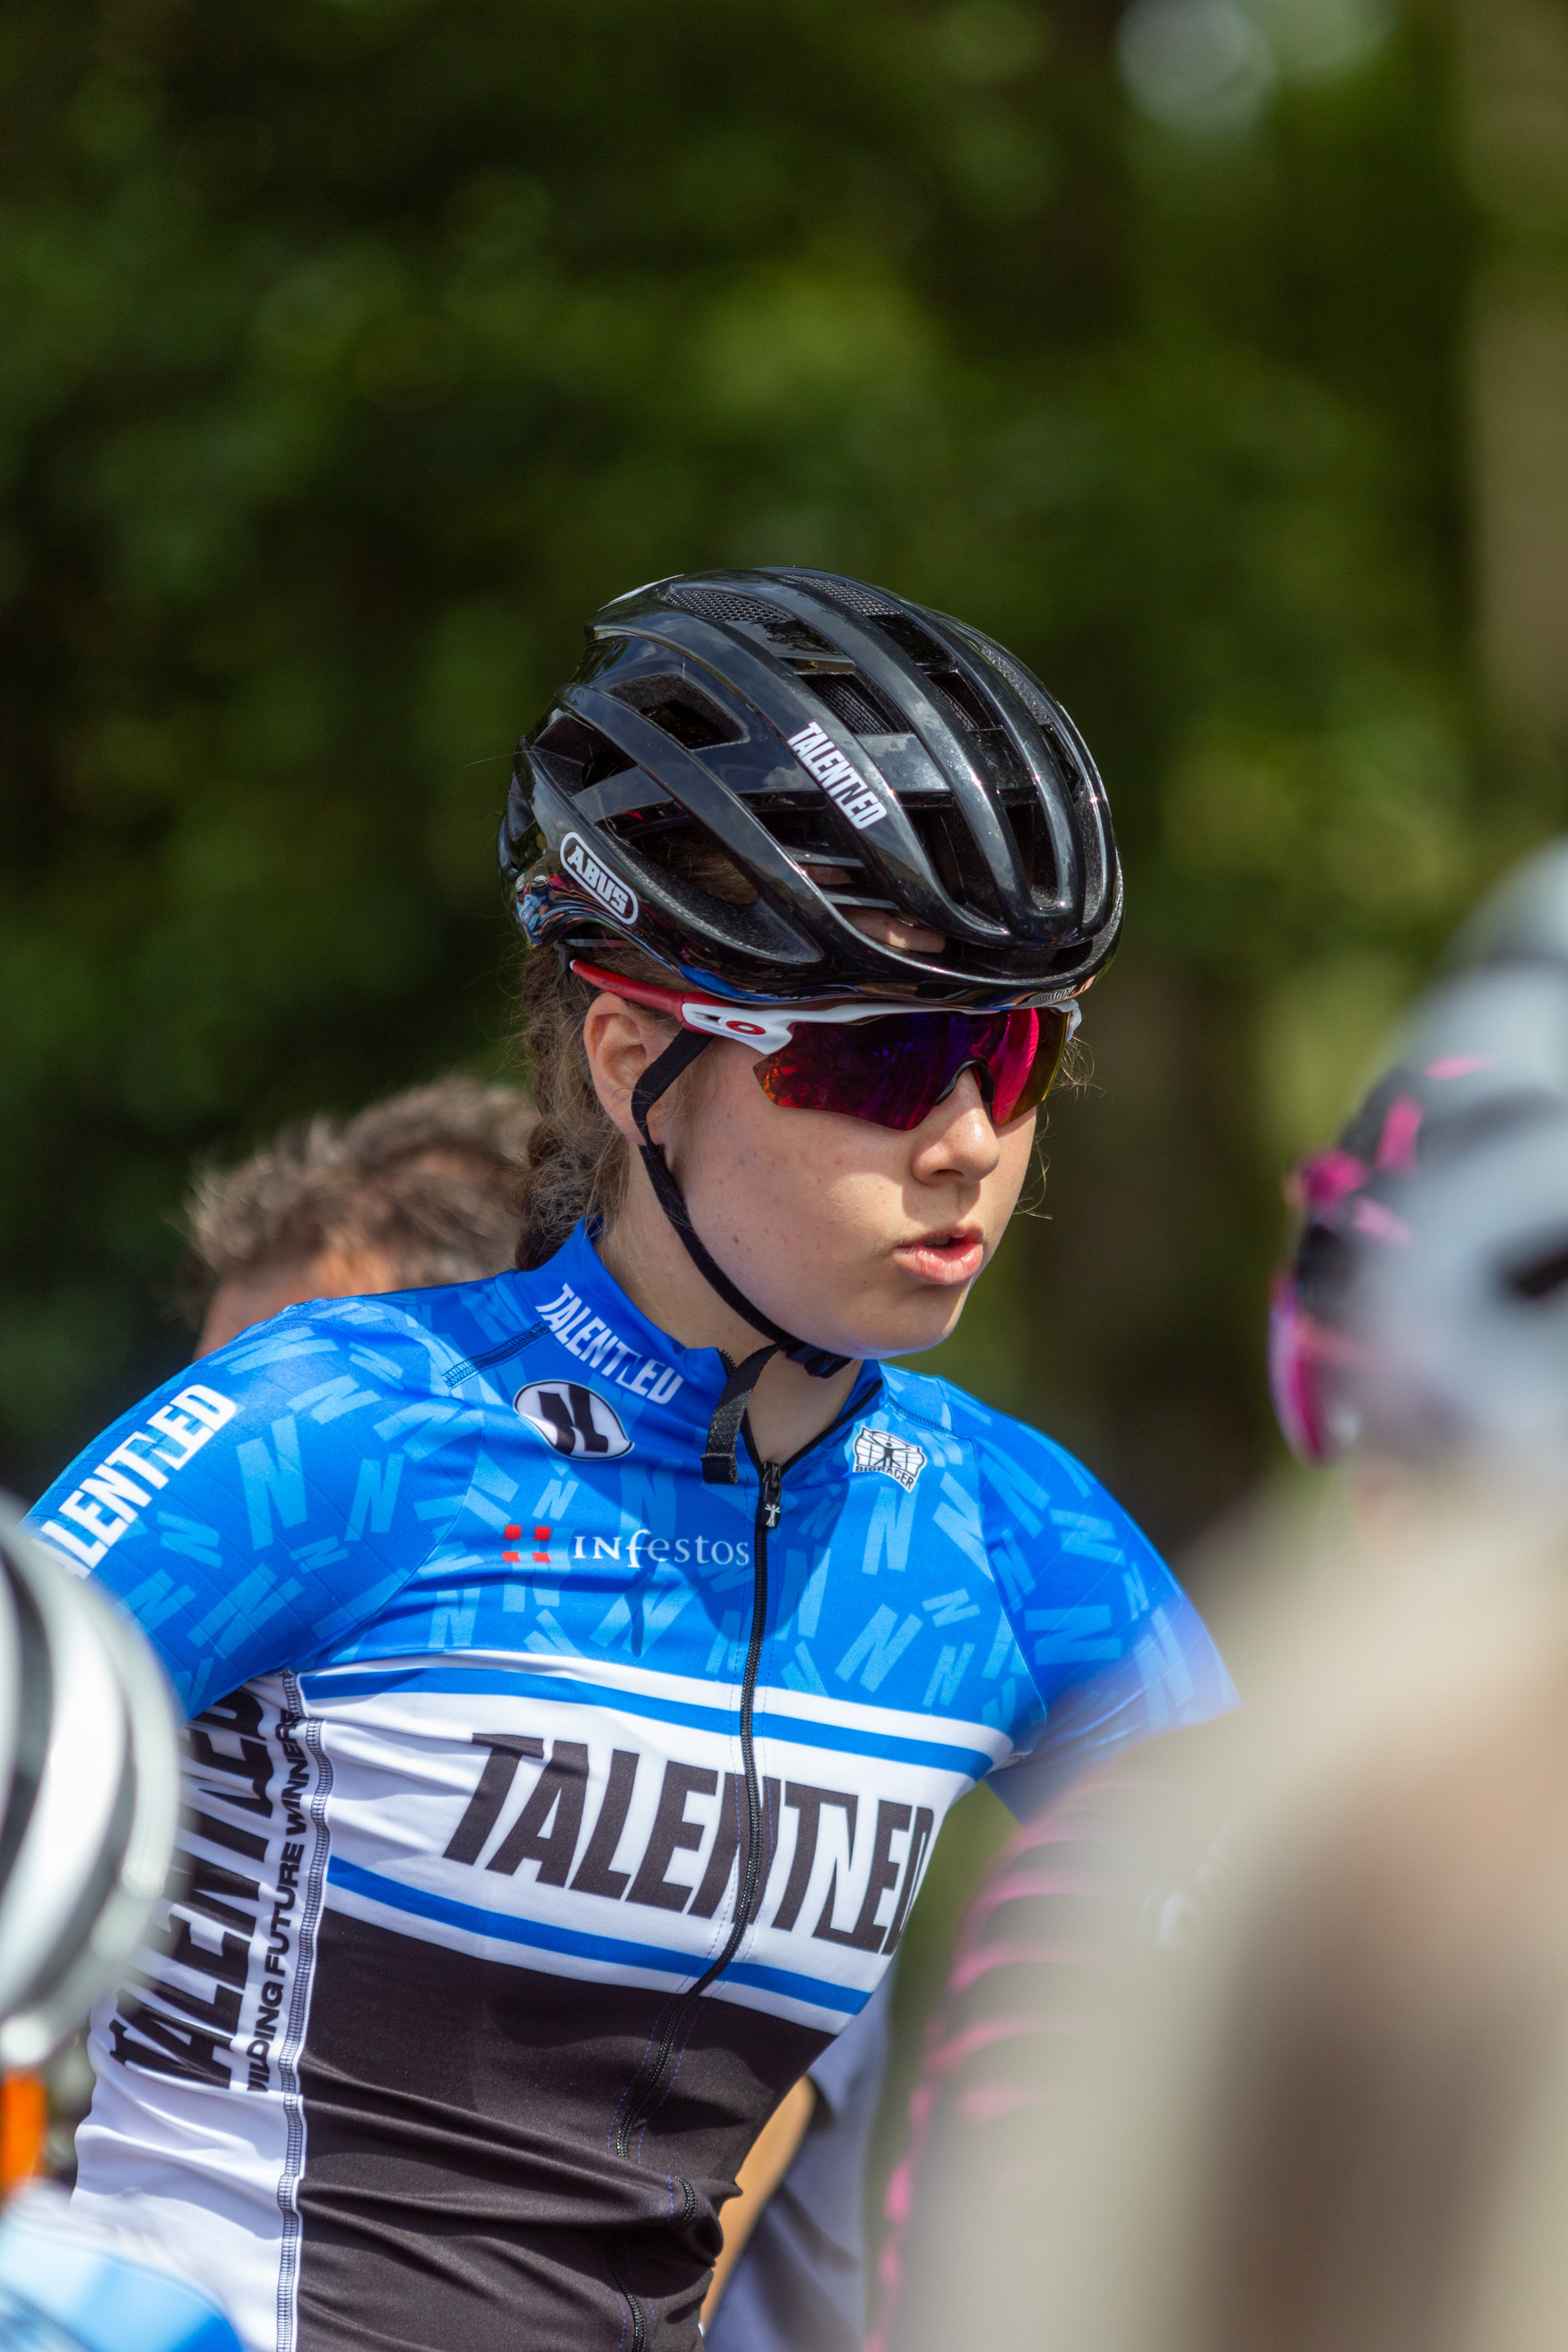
(864, 1062)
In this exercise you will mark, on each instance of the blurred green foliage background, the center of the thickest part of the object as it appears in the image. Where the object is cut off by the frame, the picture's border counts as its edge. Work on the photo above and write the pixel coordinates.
(355, 350)
(352, 351)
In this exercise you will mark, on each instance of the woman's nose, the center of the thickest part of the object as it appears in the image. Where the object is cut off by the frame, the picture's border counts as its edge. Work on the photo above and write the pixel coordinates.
(957, 1136)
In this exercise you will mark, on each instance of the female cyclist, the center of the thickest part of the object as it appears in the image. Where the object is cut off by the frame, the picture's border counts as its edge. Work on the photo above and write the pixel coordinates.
(582, 1662)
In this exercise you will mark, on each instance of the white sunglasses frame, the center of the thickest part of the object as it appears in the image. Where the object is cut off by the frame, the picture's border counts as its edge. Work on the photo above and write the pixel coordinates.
(767, 1028)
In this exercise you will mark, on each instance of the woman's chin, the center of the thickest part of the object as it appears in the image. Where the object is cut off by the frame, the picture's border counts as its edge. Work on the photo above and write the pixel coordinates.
(918, 1324)
(884, 1320)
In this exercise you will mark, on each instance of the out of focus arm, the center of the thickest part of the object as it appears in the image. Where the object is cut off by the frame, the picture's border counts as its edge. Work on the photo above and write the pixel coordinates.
(769, 2158)
(1051, 1969)
(996, 2112)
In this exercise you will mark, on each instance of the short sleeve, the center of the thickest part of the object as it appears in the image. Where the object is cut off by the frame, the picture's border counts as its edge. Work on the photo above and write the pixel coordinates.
(1112, 1646)
(257, 1509)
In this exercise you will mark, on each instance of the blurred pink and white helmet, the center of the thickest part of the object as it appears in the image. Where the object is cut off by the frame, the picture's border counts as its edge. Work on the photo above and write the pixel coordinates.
(1424, 1305)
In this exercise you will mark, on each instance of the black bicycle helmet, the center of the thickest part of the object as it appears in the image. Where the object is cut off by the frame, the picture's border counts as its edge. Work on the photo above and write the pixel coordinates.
(839, 749)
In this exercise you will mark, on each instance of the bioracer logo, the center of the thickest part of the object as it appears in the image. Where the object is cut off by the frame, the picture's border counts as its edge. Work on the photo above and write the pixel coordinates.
(597, 879)
(895, 1457)
(573, 1419)
(839, 779)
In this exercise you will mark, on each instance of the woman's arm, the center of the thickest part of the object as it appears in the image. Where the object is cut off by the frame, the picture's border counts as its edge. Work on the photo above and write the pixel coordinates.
(770, 2156)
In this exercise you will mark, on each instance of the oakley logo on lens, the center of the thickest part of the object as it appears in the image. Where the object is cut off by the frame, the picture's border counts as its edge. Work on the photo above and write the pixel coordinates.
(573, 1420)
(597, 879)
(839, 779)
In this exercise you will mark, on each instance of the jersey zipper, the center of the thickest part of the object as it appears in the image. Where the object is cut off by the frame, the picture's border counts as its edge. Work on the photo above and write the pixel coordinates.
(770, 1487)
(640, 2104)
(641, 2101)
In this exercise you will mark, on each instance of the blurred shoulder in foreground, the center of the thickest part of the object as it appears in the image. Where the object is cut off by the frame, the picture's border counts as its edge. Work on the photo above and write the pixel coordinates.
(1261, 2038)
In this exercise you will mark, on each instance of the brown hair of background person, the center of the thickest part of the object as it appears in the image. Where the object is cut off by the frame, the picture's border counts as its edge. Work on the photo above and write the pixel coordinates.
(422, 1189)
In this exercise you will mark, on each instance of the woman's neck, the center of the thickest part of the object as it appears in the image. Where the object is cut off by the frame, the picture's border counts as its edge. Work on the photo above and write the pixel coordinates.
(645, 1255)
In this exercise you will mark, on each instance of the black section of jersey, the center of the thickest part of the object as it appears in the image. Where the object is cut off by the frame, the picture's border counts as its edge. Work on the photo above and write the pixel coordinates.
(462, 2193)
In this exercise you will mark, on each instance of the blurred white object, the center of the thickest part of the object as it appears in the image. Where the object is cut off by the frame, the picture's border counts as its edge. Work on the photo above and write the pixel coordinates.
(1196, 65)
(1209, 67)
(89, 1794)
(1464, 1324)
(89, 1801)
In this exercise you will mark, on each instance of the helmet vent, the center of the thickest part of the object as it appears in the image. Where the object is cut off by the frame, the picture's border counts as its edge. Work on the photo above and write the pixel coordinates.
(953, 710)
(918, 642)
(951, 850)
(864, 600)
(750, 613)
(721, 605)
(578, 756)
(958, 701)
(680, 709)
(690, 858)
(1023, 686)
(1020, 816)
(856, 704)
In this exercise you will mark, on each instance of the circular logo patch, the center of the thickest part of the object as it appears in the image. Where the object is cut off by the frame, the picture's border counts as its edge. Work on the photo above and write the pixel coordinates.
(573, 1420)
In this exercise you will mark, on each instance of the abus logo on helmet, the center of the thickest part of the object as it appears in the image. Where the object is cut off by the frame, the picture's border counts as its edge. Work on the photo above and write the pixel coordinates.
(839, 779)
(597, 879)
(573, 1418)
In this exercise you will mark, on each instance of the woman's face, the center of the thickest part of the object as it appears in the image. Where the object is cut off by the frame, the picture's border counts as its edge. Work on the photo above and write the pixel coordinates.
(860, 1238)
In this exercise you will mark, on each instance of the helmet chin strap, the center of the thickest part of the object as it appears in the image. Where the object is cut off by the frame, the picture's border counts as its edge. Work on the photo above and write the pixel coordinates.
(719, 1468)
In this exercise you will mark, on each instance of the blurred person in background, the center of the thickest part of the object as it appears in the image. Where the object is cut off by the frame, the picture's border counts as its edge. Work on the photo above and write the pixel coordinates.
(422, 1189)
(427, 1188)
(88, 1799)
(1447, 1379)
(1419, 1334)
(569, 1775)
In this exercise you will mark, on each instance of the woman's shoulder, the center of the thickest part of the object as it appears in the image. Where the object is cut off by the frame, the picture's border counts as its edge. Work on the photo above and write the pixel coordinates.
(401, 1338)
(280, 1488)
(997, 1441)
(289, 1408)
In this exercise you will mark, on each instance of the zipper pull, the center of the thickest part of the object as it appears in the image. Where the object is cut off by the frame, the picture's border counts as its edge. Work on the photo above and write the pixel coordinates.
(772, 1483)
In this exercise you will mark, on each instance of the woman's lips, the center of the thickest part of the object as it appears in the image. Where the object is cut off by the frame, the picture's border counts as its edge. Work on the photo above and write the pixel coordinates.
(954, 1256)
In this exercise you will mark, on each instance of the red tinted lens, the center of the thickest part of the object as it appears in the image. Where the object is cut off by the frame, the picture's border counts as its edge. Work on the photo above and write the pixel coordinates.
(1026, 1070)
(894, 1072)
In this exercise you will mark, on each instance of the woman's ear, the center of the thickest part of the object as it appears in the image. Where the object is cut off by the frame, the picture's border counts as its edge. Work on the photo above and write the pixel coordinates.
(621, 1040)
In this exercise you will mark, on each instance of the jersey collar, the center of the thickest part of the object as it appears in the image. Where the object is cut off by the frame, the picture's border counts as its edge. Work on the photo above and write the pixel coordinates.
(578, 1267)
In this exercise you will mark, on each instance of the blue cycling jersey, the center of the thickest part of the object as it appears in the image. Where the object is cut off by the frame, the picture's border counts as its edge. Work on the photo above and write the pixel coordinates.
(549, 1809)
(65, 2287)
